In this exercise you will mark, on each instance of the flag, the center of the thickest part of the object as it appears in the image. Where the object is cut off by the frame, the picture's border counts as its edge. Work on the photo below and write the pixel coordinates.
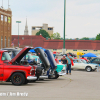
(19, 44)
(12, 44)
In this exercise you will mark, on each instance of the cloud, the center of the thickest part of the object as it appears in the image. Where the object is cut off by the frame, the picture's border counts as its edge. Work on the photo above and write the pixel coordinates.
(82, 16)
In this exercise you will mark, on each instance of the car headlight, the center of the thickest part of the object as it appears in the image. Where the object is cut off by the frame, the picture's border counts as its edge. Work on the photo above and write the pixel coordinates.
(97, 66)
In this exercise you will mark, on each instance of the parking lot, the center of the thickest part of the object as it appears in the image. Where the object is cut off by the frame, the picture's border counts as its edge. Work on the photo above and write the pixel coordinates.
(81, 85)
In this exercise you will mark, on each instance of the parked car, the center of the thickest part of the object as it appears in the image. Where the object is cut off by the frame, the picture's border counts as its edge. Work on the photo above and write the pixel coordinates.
(13, 71)
(45, 65)
(52, 73)
(95, 60)
(82, 64)
(41, 70)
(61, 69)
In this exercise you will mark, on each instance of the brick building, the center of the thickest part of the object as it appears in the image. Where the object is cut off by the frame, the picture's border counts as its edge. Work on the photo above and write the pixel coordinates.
(5, 27)
(73, 46)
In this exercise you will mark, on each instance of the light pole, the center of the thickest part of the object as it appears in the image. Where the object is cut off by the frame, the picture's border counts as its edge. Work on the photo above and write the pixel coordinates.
(64, 23)
(64, 50)
(18, 31)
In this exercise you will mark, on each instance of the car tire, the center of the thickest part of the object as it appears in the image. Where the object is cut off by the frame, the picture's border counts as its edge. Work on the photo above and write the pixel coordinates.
(88, 69)
(17, 79)
(56, 75)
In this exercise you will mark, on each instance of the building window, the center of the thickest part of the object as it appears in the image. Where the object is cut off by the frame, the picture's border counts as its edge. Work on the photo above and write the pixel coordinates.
(1, 17)
(84, 50)
(95, 50)
(5, 41)
(50, 28)
(1, 41)
(9, 20)
(9, 42)
(55, 49)
(5, 18)
(33, 28)
(74, 50)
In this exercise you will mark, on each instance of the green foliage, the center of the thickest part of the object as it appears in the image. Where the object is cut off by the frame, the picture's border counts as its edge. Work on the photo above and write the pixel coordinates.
(51, 36)
(43, 33)
(55, 35)
(61, 38)
(98, 37)
(84, 38)
(77, 39)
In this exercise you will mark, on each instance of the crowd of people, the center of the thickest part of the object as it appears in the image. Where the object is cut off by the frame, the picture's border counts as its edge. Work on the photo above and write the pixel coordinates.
(67, 60)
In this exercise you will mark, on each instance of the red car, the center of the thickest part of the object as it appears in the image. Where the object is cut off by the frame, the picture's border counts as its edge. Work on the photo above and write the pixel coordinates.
(13, 71)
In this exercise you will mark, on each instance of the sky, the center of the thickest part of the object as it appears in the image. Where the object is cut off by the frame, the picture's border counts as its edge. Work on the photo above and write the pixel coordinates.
(82, 16)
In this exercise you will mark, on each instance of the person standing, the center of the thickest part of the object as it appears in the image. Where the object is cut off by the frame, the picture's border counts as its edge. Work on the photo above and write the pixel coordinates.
(56, 59)
(64, 61)
(84, 59)
(69, 58)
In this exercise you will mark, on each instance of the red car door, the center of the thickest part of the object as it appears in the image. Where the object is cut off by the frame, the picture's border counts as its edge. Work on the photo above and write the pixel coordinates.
(1, 72)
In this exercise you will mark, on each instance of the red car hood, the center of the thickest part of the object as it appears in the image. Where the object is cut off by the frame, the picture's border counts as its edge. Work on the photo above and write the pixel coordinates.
(20, 55)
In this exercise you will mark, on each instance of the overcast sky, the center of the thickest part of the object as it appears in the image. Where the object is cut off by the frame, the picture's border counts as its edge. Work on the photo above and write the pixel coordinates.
(82, 16)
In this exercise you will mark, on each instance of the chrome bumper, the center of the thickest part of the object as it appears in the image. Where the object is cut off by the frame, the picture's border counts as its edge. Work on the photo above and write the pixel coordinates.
(43, 77)
(61, 73)
(31, 78)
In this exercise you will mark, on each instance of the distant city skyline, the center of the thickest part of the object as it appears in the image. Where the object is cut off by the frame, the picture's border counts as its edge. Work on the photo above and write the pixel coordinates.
(82, 16)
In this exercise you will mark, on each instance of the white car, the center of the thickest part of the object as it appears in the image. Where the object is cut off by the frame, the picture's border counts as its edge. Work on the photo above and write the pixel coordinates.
(82, 64)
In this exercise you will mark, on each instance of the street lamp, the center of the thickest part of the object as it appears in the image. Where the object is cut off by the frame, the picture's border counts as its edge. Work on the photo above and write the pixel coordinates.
(64, 23)
(18, 31)
(64, 50)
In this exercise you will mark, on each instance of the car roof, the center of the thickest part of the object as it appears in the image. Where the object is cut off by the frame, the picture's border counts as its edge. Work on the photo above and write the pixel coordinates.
(3, 51)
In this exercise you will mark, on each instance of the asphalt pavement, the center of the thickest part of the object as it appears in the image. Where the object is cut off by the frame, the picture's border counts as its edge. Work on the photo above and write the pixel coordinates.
(81, 85)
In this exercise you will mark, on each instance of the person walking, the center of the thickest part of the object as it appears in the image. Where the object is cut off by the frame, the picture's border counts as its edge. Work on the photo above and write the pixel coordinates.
(64, 61)
(69, 58)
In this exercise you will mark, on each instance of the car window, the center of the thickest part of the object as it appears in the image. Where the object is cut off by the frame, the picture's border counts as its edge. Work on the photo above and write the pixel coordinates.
(75, 61)
(84, 61)
(6, 56)
(97, 59)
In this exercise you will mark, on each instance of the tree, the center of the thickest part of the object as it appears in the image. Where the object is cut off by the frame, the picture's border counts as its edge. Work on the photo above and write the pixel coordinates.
(98, 37)
(43, 33)
(77, 38)
(84, 38)
(55, 35)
